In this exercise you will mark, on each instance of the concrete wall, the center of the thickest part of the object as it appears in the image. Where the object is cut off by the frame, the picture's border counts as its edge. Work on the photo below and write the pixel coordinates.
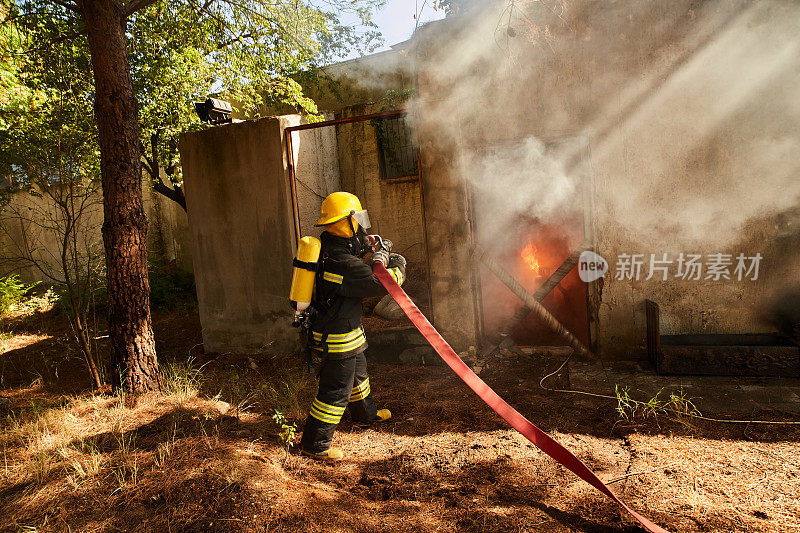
(242, 234)
(448, 233)
(395, 207)
(31, 226)
(689, 116)
(167, 232)
(316, 162)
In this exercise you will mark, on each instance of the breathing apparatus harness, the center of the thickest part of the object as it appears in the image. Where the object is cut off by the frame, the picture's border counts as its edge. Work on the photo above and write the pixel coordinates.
(307, 274)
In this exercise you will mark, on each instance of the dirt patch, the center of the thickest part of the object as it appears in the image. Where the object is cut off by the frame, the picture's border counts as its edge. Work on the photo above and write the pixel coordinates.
(212, 461)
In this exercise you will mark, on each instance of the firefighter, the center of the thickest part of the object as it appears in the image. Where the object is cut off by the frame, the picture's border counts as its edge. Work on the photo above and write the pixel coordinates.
(336, 332)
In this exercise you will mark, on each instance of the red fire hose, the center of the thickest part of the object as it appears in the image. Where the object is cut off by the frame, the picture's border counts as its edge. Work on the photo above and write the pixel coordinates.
(542, 440)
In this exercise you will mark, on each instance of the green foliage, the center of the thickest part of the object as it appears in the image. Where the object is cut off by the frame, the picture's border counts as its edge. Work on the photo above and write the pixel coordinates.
(42, 301)
(393, 98)
(169, 284)
(246, 51)
(677, 407)
(15, 95)
(12, 292)
(49, 132)
(456, 7)
(287, 430)
(181, 378)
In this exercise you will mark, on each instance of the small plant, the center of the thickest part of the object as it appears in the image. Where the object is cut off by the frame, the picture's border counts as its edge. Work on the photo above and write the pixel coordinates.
(43, 302)
(678, 408)
(164, 449)
(41, 467)
(287, 430)
(163, 452)
(82, 465)
(681, 408)
(182, 379)
(5, 336)
(626, 406)
(12, 293)
(285, 396)
(127, 469)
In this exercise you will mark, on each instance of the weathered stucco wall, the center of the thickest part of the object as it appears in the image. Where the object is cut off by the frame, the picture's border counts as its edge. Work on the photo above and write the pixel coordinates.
(395, 207)
(448, 233)
(242, 232)
(30, 227)
(690, 120)
(168, 230)
(316, 162)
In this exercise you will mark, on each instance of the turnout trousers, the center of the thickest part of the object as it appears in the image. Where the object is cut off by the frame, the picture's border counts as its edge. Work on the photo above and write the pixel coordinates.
(343, 384)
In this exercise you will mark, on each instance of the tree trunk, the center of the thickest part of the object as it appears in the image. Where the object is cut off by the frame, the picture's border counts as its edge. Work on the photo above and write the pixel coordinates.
(133, 354)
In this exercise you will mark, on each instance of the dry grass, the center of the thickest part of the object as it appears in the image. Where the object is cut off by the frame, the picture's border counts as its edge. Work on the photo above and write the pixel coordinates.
(212, 460)
(744, 486)
(185, 462)
(93, 445)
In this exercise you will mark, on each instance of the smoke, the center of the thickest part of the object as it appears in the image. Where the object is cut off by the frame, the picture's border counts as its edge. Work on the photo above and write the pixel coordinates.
(534, 185)
(783, 311)
(689, 114)
(653, 126)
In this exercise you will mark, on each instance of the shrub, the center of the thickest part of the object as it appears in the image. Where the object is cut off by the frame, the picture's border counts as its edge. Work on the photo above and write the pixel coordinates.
(12, 292)
(169, 284)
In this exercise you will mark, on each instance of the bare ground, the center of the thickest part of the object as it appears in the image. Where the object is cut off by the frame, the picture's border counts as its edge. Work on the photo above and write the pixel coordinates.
(77, 460)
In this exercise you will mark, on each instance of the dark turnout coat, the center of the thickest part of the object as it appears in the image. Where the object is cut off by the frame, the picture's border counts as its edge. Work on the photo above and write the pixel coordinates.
(343, 280)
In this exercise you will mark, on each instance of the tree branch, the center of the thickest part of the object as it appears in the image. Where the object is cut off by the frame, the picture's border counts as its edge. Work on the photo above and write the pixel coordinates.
(234, 40)
(176, 194)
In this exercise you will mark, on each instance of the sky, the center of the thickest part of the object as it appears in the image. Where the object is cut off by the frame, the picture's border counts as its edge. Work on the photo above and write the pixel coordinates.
(396, 21)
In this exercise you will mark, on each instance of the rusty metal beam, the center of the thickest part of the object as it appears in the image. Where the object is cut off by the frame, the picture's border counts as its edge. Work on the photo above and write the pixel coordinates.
(528, 299)
(348, 120)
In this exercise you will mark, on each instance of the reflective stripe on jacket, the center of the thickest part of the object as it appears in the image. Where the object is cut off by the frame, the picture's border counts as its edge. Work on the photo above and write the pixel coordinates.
(344, 280)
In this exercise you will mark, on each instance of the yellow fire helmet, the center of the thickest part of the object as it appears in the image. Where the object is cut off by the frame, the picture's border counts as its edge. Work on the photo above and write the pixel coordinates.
(337, 211)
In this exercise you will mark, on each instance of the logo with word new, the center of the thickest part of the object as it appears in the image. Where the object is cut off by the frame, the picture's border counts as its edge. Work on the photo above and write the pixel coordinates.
(591, 266)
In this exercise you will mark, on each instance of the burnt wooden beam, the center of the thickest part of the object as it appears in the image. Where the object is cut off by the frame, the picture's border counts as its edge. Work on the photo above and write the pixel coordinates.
(508, 280)
(505, 330)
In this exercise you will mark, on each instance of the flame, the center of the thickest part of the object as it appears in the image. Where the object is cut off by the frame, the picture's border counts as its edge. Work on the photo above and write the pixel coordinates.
(528, 255)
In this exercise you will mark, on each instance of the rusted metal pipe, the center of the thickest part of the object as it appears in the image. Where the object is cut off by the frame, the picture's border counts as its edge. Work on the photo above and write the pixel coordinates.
(529, 300)
(290, 163)
(348, 120)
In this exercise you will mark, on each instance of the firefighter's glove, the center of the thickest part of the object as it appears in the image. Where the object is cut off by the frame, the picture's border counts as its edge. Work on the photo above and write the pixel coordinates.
(381, 256)
(397, 268)
(397, 260)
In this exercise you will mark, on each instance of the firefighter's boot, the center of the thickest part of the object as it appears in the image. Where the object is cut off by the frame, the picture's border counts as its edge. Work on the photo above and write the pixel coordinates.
(331, 455)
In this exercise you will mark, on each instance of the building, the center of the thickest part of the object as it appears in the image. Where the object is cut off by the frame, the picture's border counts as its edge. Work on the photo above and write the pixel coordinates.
(657, 134)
